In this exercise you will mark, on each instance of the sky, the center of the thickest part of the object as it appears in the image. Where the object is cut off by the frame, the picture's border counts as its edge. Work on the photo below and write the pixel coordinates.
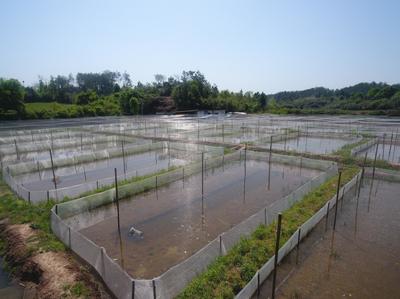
(251, 45)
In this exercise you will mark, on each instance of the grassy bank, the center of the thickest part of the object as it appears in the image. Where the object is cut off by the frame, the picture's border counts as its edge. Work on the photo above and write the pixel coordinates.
(19, 211)
(58, 110)
(225, 277)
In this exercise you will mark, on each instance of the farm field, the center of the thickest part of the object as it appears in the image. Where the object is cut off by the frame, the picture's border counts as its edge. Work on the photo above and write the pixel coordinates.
(145, 199)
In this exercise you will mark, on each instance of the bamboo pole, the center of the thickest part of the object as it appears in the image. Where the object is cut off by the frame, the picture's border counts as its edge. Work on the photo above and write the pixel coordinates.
(337, 199)
(278, 237)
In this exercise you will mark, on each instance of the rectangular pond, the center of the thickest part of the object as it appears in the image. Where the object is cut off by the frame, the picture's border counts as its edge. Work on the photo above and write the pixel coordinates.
(177, 220)
(314, 145)
(358, 260)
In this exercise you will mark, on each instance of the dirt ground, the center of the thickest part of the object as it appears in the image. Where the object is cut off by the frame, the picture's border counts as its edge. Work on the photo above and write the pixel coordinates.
(46, 274)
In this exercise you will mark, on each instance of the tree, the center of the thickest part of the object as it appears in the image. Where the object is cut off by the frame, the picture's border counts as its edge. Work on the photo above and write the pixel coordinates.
(103, 83)
(60, 89)
(129, 101)
(190, 92)
(159, 78)
(262, 99)
(11, 95)
(126, 80)
(86, 97)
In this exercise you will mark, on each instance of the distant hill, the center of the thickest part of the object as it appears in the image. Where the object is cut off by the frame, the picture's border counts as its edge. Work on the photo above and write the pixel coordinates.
(372, 98)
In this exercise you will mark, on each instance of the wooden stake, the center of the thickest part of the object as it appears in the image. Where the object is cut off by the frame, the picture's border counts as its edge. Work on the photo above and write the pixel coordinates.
(337, 199)
(278, 237)
(327, 216)
(52, 168)
(16, 149)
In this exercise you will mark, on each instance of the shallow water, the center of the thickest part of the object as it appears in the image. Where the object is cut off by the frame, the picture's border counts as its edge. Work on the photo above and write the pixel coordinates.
(171, 217)
(313, 145)
(4, 279)
(143, 163)
(360, 260)
(385, 152)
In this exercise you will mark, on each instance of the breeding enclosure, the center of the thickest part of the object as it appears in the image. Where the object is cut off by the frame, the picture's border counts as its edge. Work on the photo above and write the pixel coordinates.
(365, 241)
(388, 150)
(57, 178)
(303, 142)
(74, 144)
(177, 219)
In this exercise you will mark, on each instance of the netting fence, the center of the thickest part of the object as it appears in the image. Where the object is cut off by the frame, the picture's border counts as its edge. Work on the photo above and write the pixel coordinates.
(171, 282)
(364, 146)
(263, 273)
(190, 151)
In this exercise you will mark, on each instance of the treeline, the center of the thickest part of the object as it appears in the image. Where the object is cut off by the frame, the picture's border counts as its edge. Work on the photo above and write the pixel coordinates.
(371, 98)
(113, 93)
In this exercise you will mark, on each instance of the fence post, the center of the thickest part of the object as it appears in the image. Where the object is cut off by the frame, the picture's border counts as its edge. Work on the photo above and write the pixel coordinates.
(52, 168)
(69, 236)
(245, 172)
(265, 216)
(183, 177)
(298, 246)
(220, 245)
(154, 289)
(16, 149)
(337, 199)
(278, 237)
(327, 216)
(373, 176)
(202, 185)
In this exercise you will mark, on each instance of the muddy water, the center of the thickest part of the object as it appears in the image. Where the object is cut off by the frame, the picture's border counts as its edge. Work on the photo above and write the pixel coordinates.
(4, 280)
(385, 152)
(171, 217)
(360, 260)
(8, 289)
(144, 163)
(313, 145)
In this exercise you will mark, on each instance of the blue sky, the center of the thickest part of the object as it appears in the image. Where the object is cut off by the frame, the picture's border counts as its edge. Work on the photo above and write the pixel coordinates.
(251, 45)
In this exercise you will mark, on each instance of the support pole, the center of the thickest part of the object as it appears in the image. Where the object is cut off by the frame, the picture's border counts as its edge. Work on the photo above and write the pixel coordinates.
(202, 185)
(223, 132)
(245, 172)
(327, 216)
(337, 199)
(16, 149)
(118, 216)
(269, 165)
(391, 144)
(123, 157)
(373, 176)
(298, 246)
(52, 168)
(278, 237)
(117, 197)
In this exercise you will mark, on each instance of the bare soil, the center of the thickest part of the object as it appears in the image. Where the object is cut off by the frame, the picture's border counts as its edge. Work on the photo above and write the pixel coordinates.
(46, 274)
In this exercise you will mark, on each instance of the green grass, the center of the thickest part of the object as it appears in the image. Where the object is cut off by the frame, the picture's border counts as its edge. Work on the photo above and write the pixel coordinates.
(228, 274)
(345, 151)
(78, 290)
(52, 110)
(100, 107)
(18, 211)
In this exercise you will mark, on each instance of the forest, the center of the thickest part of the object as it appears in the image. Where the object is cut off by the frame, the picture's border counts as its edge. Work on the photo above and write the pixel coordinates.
(113, 93)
